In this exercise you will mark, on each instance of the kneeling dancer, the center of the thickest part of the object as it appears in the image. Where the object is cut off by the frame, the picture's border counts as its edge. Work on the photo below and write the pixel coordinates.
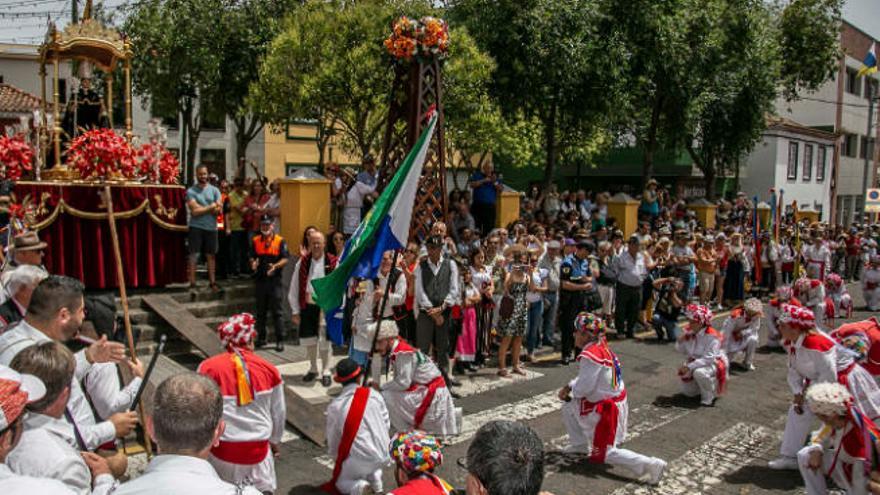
(357, 434)
(843, 449)
(740, 331)
(416, 455)
(253, 407)
(417, 397)
(814, 357)
(595, 410)
(784, 295)
(704, 373)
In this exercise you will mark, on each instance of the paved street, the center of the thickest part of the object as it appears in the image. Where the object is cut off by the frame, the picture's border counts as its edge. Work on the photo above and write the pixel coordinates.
(719, 450)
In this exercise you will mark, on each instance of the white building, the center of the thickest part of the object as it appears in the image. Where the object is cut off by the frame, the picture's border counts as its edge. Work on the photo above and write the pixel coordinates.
(841, 106)
(795, 159)
(19, 67)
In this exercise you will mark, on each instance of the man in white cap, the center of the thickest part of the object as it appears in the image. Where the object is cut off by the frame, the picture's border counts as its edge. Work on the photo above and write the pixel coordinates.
(417, 397)
(254, 409)
(740, 331)
(48, 447)
(842, 449)
(16, 392)
(357, 434)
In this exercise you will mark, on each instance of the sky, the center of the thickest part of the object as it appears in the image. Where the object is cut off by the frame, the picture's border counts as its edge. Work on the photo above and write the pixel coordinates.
(24, 21)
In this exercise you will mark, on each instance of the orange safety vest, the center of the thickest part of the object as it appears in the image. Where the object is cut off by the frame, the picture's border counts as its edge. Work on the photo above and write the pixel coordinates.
(271, 248)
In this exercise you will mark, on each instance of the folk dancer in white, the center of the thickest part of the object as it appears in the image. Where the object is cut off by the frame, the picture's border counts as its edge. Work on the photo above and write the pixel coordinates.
(595, 410)
(811, 293)
(871, 284)
(357, 434)
(416, 397)
(814, 357)
(740, 331)
(704, 372)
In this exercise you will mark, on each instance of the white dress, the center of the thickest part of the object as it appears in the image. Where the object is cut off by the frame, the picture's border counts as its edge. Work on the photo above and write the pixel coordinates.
(415, 376)
(871, 288)
(369, 451)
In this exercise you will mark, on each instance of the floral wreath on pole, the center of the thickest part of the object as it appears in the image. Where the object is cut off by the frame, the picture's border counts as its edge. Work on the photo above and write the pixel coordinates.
(426, 38)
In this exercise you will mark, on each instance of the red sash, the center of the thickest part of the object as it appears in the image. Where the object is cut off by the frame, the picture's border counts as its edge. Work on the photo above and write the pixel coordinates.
(242, 453)
(606, 428)
(432, 386)
(843, 375)
(349, 433)
(721, 375)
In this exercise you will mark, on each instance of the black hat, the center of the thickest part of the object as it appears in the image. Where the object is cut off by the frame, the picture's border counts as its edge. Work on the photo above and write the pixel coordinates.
(584, 244)
(346, 371)
(266, 219)
(434, 240)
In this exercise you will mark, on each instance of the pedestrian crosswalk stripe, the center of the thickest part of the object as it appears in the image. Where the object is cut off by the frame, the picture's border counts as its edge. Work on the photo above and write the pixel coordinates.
(701, 468)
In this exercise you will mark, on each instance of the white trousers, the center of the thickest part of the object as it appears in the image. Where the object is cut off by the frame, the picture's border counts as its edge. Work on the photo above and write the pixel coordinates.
(356, 477)
(797, 427)
(703, 384)
(815, 483)
(316, 345)
(747, 348)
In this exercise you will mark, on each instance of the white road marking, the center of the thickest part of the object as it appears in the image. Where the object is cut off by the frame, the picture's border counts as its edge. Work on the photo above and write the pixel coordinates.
(482, 382)
(704, 467)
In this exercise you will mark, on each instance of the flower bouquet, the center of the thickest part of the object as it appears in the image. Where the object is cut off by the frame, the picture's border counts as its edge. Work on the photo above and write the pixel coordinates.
(158, 164)
(101, 154)
(16, 157)
(426, 38)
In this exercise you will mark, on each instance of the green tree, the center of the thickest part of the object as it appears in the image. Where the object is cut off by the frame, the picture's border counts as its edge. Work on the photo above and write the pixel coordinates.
(809, 36)
(557, 63)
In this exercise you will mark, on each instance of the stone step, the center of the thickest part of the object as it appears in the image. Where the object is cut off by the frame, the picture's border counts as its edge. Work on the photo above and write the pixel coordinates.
(221, 309)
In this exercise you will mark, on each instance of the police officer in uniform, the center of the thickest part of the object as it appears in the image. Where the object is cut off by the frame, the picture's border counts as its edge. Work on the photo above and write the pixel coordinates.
(268, 256)
(575, 281)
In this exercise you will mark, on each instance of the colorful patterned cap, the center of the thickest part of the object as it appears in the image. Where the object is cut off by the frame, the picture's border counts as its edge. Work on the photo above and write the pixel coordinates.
(416, 451)
(797, 316)
(699, 313)
(590, 324)
(238, 330)
(829, 399)
(833, 280)
(16, 392)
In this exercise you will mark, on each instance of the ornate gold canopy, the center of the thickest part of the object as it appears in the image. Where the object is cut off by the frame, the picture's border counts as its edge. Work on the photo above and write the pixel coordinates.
(90, 42)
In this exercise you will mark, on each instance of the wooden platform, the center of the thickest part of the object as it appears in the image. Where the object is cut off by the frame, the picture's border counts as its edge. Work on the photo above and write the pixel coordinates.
(200, 335)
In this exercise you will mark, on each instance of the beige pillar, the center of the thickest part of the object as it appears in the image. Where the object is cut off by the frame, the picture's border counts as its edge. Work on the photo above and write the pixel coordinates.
(507, 208)
(304, 202)
(625, 210)
(705, 211)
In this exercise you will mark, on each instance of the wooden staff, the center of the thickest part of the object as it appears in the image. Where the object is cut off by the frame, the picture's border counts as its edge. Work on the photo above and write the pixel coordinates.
(120, 280)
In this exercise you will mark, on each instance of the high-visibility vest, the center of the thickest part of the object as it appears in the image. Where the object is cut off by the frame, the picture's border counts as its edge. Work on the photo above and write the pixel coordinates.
(270, 248)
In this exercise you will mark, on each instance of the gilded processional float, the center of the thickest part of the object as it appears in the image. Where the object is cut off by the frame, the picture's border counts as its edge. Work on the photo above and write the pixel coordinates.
(99, 197)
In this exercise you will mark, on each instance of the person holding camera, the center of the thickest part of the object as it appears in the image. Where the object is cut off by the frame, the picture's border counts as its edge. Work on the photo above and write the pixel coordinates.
(668, 308)
(514, 322)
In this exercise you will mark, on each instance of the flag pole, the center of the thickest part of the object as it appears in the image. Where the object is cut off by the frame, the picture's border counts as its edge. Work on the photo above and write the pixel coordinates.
(382, 305)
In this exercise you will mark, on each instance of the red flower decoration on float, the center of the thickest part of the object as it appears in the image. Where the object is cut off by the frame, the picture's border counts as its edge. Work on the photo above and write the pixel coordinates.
(16, 157)
(101, 154)
(158, 164)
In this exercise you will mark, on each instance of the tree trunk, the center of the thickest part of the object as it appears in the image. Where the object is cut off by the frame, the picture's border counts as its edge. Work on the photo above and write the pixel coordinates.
(709, 173)
(649, 144)
(550, 145)
(736, 175)
(245, 132)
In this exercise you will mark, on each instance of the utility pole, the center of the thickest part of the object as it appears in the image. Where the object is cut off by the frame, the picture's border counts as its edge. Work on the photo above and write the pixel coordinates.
(869, 157)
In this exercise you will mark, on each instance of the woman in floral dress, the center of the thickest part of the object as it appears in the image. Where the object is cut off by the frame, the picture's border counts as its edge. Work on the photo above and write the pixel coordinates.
(512, 330)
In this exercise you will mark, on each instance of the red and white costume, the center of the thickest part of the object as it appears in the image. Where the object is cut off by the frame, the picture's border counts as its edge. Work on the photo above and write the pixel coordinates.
(811, 293)
(871, 284)
(596, 416)
(417, 397)
(838, 303)
(740, 331)
(253, 408)
(357, 437)
(862, 337)
(817, 261)
(706, 362)
(814, 358)
(774, 310)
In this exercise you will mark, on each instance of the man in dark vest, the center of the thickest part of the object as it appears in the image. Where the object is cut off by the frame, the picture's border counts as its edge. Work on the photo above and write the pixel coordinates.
(306, 314)
(436, 289)
(268, 257)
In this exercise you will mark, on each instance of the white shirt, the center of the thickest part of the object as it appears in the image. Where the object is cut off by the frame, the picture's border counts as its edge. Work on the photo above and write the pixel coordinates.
(363, 314)
(629, 271)
(811, 363)
(355, 196)
(701, 351)
(22, 336)
(105, 391)
(423, 303)
(15, 483)
(48, 450)
(538, 278)
(316, 270)
(370, 446)
(170, 474)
